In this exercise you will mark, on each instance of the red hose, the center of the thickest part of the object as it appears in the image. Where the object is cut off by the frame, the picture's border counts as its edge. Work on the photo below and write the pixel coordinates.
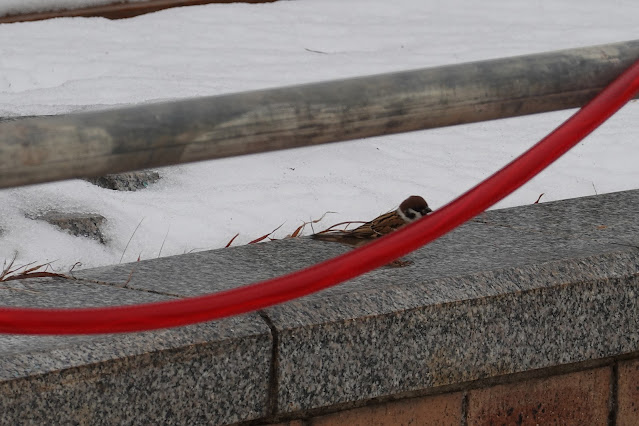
(255, 296)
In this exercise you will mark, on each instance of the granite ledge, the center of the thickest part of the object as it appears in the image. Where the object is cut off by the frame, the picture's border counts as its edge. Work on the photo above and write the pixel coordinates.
(334, 357)
(195, 374)
(520, 289)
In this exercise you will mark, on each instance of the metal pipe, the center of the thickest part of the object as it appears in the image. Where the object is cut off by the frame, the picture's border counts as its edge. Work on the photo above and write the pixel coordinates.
(34, 150)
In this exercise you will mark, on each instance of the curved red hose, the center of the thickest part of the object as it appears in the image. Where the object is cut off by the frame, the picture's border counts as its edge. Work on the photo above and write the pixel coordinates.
(334, 271)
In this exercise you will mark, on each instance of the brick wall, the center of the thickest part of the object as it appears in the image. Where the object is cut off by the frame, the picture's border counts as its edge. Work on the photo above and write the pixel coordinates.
(607, 395)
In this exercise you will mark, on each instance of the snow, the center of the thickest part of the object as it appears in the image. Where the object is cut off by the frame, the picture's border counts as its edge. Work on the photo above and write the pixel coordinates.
(72, 64)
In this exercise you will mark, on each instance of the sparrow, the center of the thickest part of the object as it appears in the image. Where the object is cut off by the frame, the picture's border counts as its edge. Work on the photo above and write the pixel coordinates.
(411, 209)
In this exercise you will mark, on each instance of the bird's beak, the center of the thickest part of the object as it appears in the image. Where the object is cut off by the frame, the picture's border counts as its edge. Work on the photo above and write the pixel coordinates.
(428, 210)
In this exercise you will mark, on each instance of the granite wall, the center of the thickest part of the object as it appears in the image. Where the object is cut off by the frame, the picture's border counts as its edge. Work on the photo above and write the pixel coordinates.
(522, 315)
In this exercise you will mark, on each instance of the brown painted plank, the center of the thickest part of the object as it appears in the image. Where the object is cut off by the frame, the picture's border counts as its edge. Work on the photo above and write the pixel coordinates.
(119, 10)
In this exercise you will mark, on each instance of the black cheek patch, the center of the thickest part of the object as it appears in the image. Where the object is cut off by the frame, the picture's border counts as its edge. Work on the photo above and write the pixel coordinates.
(410, 215)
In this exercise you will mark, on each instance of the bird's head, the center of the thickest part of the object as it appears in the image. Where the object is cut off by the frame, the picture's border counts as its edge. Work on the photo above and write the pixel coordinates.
(413, 208)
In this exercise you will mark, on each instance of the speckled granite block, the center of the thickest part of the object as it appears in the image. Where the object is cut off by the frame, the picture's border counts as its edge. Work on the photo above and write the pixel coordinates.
(514, 290)
(79, 224)
(607, 217)
(131, 181)
(557, 284)
(411, 347)
(213, 373)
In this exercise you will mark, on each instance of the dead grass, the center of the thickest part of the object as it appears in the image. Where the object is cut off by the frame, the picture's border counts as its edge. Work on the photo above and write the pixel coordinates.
(297, 233)
(10, 272)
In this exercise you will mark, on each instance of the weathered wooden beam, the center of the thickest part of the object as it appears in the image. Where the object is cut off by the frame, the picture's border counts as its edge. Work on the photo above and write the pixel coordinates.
(39, 149)
(115, 10)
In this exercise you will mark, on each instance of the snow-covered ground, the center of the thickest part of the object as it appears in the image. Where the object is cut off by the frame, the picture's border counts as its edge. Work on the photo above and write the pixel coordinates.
(72, 64)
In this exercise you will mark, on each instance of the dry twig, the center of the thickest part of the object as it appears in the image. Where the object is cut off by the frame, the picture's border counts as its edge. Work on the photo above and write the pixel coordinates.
(303, 225)
(231, 242)
(263, 237)
(25, 272)
(331, 228)
(129, 242)
(164, 240)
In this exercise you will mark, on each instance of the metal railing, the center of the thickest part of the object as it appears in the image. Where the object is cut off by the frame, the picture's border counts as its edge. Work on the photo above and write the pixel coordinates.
(42, 149)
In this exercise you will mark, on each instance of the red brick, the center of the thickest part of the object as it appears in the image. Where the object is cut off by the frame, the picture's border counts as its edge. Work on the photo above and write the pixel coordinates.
(291, 423)
(432, 410)
(628, 393)
(579, 398)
